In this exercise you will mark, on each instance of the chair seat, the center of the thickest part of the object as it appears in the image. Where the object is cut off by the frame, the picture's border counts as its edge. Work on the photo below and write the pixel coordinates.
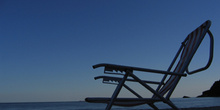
(123, 101)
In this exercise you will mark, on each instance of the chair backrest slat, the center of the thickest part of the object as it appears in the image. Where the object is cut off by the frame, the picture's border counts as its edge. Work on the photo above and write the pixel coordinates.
(190, 44)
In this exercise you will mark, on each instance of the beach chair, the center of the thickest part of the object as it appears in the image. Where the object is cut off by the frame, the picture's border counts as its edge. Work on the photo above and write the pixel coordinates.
(177, 69)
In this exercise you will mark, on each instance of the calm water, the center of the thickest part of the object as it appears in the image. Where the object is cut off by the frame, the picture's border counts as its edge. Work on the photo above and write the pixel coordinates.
(180, 102)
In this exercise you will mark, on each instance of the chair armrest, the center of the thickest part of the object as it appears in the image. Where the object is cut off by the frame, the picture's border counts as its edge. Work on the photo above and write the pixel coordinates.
(121, 68)
(109, 79)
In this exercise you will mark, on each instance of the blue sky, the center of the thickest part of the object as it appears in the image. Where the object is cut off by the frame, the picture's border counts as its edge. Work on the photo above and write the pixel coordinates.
(47, 48)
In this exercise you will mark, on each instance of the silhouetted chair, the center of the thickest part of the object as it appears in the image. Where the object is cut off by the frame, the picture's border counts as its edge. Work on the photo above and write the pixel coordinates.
(177, 69)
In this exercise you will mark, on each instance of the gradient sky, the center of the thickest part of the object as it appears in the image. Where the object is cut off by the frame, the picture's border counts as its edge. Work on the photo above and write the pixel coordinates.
(48, 47)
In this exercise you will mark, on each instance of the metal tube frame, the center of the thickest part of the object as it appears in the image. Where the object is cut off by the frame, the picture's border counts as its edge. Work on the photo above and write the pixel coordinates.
(129, 73)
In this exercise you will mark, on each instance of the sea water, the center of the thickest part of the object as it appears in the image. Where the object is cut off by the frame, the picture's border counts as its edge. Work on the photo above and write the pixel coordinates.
(80, 105)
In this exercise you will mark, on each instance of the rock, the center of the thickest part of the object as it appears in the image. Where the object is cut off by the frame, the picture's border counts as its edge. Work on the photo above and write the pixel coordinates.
(186, 97)
(214, 91)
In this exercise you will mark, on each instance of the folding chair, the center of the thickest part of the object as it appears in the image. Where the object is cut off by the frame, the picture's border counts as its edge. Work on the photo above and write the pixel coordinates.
(177, 69)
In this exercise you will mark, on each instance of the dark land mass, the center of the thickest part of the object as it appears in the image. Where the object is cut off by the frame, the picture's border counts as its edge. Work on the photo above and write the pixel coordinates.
(214, 91)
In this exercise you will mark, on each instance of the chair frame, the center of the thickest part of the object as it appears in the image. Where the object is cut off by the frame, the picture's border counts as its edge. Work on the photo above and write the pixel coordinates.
(128, 72)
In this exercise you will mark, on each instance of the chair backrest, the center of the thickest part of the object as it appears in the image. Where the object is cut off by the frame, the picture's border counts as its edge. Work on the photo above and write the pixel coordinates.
(187, 51)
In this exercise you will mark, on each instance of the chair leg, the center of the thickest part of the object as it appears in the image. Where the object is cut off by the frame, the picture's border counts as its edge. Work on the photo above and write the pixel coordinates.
(172, 105)
(156, 93)
(117, 90)
(153, 106)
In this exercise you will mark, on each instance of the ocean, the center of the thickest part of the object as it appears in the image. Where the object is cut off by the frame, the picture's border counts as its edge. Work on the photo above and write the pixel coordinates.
(81, 105)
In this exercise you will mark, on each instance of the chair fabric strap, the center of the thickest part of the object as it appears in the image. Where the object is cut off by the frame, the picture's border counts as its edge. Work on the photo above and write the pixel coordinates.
(191, 44)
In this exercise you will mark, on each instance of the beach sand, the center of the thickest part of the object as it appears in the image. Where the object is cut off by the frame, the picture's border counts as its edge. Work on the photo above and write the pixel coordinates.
(202, 108)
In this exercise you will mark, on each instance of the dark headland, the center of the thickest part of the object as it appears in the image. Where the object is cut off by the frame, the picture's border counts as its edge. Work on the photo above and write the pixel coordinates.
(214, 91)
